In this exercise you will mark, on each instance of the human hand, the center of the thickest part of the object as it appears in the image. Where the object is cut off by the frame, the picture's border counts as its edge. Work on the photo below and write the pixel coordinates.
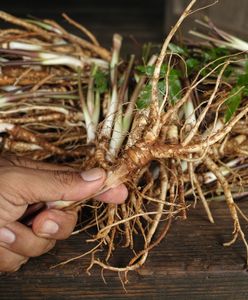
(23, 185)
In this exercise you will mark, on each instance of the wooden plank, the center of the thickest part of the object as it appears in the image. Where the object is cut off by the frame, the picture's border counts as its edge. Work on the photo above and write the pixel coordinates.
(190, 263)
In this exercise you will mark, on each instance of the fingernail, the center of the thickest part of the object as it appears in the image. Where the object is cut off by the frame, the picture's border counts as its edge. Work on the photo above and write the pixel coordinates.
(49, 227)
(7, 236)
(92, 174)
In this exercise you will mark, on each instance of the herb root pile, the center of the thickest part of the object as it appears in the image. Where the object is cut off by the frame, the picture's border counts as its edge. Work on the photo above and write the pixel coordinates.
(172, 125)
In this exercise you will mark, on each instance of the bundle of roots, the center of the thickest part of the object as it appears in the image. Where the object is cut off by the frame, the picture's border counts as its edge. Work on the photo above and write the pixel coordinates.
(172, 127)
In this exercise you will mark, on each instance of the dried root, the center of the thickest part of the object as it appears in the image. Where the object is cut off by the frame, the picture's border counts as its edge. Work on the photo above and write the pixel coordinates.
(67, 99)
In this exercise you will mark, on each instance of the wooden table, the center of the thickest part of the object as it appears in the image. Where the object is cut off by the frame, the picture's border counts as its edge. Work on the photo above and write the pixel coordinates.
(190, 263)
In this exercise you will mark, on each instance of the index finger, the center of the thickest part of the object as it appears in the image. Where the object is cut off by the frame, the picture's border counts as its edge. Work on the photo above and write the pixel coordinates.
(12, 160)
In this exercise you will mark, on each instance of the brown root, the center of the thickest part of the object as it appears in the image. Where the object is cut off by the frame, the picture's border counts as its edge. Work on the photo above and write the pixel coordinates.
(229, 199)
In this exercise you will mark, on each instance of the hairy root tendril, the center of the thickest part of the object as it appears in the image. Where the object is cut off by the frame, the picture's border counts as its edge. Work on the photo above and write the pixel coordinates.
(66, 99)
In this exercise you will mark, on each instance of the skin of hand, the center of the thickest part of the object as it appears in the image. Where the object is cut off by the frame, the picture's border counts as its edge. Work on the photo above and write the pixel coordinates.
(25, 184)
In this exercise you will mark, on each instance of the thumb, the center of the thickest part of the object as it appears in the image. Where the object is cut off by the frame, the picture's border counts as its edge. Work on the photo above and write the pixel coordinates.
(28, 186)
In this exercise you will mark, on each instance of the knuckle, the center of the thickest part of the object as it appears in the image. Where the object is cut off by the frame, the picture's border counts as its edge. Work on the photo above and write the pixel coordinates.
(38, 251)
(6, 161)
(10, 262)
(64, 234)
(9, 212)
(47, 247)
(50, 246)
(20, 162)
(66, 221)
(8, 269)
(12, 184)
(6, 176)
(34, 252)
(64, 178)
(72, 217)
(18, 266)
(11, 207)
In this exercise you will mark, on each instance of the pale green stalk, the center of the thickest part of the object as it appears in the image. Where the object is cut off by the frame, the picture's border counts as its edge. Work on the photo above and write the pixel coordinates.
(90, 93)
(34, 107)
(128, 117)
(21, 46)
(48, 58)
(88, 122)
(118, 133)
(113, 105)
(117, 41)
(97, 108)
(91, 107)
(122, 124)
(108, 122)
(228, 41)
(117, 136)
(44, 25)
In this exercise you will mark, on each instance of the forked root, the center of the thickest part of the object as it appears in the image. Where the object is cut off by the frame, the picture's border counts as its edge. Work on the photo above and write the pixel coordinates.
(60, 112)
(230, 202)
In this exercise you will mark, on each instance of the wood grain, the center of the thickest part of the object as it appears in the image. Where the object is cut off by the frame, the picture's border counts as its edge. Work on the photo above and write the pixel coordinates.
(190, 263)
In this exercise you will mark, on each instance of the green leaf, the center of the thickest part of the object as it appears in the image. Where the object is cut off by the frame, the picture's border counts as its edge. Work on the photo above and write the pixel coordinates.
(177, 49)
(175, 90)
(233, 102)
(214, 53)
(246, 64)
(175, 73)
(192, 64)
(146, 70)
(228, 71)
(148, 49)
(100, 81)
(163, 70)
(245, 91)
(242, 80)
(149, 70)
(144, 98)
(175, 87)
